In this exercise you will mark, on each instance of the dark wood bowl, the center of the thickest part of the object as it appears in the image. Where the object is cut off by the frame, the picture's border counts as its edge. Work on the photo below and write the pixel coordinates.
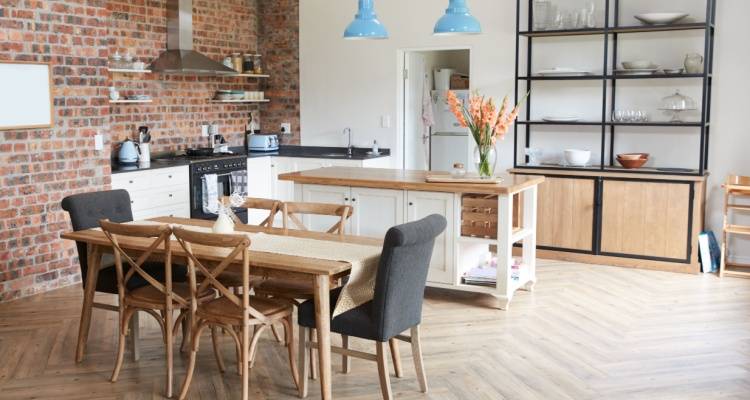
(632, 164)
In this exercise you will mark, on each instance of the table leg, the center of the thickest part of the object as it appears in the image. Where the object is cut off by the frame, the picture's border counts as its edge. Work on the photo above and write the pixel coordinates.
(323, 323)
(504, 293)
(529, 244)
(94, 260)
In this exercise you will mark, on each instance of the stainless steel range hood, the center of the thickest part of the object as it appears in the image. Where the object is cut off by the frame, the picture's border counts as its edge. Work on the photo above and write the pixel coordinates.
(180, 58)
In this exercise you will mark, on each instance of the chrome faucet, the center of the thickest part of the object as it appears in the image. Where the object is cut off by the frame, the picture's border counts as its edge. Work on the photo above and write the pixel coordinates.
(349, 148)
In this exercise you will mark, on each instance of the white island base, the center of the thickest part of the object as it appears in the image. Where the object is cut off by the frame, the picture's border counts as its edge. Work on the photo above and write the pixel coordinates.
(382, 198)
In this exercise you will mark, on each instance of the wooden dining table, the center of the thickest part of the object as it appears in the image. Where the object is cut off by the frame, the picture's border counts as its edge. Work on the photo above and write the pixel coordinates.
(322, 273)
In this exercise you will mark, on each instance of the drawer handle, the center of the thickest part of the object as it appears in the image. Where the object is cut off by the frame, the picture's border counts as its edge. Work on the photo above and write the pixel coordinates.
(170, 176)
(353, 199)
(411, 204)
(170, 195)
(130, 182)
(131, 201)
(346, 199)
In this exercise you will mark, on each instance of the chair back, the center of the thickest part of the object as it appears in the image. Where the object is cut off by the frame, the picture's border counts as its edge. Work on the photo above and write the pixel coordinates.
(402, 275)
(292, 211)
(229, 248)
(160, 239)
(253, 203)
(86, 209)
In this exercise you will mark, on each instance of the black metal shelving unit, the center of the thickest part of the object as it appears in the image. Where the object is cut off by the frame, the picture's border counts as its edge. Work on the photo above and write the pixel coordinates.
(610, 33)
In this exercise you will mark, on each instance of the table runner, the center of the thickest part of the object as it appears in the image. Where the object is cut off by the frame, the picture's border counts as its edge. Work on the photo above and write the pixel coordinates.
(364, 260)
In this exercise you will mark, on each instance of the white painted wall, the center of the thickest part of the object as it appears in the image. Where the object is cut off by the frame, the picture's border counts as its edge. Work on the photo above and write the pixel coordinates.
(353, 83)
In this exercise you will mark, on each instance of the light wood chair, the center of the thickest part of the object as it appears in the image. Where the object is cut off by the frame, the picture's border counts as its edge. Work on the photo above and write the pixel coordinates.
(735, 188)
(157, 299)
(254, 203)
(236, 314)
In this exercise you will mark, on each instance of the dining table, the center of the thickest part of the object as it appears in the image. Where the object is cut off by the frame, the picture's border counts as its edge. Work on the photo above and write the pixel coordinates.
(322, 273)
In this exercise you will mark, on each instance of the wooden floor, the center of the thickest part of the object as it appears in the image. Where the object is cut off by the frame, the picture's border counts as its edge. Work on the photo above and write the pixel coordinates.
(586, 333)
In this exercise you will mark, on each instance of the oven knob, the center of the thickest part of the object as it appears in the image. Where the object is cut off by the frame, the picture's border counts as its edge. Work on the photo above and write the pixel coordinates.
(216, 167)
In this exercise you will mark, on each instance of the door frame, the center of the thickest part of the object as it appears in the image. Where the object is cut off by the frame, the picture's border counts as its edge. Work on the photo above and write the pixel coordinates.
(401, 54)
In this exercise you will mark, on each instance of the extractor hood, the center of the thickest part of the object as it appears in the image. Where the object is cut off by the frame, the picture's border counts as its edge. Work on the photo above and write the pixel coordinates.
(180, 58)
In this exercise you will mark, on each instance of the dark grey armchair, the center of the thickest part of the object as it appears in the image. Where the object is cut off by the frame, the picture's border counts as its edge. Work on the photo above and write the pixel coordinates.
(85, 210)
(396, 307)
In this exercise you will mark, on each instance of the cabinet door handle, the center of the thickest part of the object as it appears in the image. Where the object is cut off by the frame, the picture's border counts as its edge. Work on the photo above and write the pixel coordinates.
(346, 199)
(130, 182)
(170, 176)
(411, 204)
(170, 195)
(353, 199)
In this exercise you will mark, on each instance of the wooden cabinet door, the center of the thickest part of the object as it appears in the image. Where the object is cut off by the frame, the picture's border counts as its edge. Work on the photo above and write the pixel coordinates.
(565, 213)
(376, 211)
(422, 204)
(648, 219)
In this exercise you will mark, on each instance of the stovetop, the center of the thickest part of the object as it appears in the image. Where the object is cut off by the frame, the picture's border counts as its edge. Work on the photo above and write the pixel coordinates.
(222, 160)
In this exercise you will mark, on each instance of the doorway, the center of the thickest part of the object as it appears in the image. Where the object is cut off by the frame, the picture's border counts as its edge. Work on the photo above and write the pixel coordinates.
(431, 136)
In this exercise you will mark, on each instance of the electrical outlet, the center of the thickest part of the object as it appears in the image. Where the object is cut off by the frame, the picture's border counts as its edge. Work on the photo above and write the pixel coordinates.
(98, 141)
(286, 128)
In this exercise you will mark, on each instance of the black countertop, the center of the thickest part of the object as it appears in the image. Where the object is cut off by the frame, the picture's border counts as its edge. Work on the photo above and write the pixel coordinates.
(334, 153)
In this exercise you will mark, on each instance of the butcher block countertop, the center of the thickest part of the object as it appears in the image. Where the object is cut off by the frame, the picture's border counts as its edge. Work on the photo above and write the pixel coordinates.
(381, 178)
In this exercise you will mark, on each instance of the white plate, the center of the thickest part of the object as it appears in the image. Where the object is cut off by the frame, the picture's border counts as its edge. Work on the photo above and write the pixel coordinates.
(660, 18)
(564, 72)
(561, 119)
(644, 71)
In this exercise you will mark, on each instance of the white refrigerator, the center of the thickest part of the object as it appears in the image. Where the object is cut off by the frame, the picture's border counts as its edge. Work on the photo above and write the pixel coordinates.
(449, 141)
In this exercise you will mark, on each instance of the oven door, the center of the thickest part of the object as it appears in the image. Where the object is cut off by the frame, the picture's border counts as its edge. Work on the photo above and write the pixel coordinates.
(224, 183)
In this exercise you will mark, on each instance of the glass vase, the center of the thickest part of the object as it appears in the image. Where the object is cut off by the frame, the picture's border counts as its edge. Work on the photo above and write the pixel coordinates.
(485, 159)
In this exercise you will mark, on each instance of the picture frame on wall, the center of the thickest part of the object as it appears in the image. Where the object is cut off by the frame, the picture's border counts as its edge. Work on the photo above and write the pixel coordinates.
(26, 100)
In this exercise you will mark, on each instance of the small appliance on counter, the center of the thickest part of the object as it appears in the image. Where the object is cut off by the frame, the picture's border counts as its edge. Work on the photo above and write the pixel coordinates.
(128, 153)
(262, 142)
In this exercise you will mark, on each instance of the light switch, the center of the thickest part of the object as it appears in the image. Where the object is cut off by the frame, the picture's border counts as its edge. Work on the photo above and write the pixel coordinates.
(385, 121)
(98, 142)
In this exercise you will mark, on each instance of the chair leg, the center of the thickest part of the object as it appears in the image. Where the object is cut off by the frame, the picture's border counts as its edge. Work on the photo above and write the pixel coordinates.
(169, 339)
(217, 349)
(385, 380)
(416, 350)
(393, 343)
(290, 344)
(346, 363)
(254, 345)
(135, 333)
(313, 363)
(276, 334)
(244, 360)
(303, 361)
(194, 343)
(185, 324)
(124, 320)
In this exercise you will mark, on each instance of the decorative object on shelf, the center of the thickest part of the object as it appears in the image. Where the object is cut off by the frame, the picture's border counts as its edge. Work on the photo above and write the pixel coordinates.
(114, 95)
(139, 65)
(534, 156)
(139, 97)
(639, 64)
(237, 62)
(228, 62)
(632, 116)
(457, 20)
(248, 63)
(673, 71)
(257, 65)
(561, 119)
(486, 123)
(366, 24)
(660, 18)
(677, 104)
(632, 160)
(542, 14)
(564, 71)
(576, 158)
(694, 63)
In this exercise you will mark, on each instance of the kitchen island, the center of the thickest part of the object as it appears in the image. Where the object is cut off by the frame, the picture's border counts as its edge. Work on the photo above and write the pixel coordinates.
(484, 221)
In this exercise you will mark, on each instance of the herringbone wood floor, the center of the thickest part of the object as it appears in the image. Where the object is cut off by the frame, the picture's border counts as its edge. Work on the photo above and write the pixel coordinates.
(588, 332)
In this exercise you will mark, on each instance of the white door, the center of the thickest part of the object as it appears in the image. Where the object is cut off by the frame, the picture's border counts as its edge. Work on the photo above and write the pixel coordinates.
(422, 204)
(324, 194)
(416, 140)
(376, 211)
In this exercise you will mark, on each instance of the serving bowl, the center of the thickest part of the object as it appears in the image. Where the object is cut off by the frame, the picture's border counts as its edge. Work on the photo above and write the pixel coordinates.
(663, 18)
(639, 64)
(632, 160)
(577, 158)
(633, 156)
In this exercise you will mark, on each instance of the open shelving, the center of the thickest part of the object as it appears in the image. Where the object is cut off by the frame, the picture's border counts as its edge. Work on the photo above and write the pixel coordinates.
(610, 33)
(240, 101)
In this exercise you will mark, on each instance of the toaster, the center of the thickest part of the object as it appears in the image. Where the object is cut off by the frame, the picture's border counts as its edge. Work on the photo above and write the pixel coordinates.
(257, 142)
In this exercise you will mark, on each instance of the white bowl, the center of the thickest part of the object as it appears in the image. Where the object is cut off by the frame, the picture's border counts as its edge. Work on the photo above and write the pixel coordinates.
(577, 158)
(639, 64)
(660, 18)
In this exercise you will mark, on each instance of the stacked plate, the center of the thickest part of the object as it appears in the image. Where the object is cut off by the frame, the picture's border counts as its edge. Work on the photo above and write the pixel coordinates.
(638, 67)
(559, 71)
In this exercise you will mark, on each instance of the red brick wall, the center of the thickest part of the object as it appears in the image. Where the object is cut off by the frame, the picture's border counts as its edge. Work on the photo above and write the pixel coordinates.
(40, 167)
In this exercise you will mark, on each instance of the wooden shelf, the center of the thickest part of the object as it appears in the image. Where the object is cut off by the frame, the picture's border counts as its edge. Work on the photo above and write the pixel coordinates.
(240, 101)
(131, 101)
(742, 207)
(738, 229)
(129, 71)
(613, 77)
(251, 75)
(610, 123)
(737, 270)
(616, 29)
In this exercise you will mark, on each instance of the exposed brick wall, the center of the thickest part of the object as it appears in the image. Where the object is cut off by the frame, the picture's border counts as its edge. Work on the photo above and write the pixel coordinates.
(279, 26)
(40, 167)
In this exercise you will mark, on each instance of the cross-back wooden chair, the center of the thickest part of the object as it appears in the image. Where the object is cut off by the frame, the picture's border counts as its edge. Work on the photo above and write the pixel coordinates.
(235, 313)
(254, 203)
(156, 298)
(292, 211)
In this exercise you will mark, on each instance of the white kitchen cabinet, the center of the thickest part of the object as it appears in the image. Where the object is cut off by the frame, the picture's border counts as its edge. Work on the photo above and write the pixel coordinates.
(260, 184)
(282, 190)
(156, 192)
(422, 204)
(376, 210)
(325, 194)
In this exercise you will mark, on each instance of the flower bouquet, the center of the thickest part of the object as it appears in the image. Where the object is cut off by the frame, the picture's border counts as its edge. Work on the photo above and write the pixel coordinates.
(486, 123)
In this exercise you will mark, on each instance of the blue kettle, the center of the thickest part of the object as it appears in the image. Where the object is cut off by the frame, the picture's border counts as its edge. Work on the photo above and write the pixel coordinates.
(128, 152)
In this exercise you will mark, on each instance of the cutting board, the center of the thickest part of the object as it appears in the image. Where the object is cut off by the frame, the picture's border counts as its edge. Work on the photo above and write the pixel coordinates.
(466, 179)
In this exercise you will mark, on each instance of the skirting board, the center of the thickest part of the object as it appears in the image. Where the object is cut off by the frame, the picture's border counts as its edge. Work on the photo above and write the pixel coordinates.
(693, 268)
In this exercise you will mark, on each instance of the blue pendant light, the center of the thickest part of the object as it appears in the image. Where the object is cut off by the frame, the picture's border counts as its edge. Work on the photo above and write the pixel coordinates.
(366, 24)
(457, 20)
